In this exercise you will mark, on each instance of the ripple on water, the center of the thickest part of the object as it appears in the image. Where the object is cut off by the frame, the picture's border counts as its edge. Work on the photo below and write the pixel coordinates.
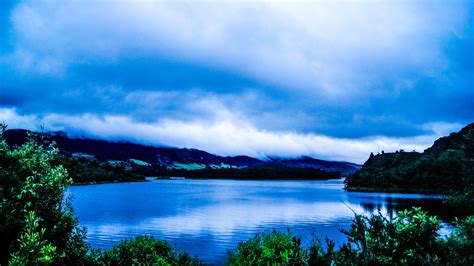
(209, 217)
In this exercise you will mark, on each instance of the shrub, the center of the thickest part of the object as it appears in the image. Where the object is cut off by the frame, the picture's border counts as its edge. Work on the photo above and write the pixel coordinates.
(411, 238)
(460, 243)
(145, 250)
(317, 254)
(269, 249)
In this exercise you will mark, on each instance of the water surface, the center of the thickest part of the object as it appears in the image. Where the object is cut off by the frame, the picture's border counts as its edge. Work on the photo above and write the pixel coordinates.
(209, 217)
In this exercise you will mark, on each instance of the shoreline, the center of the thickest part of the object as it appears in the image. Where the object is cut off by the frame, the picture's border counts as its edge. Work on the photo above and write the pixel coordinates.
(356, 189)
(242, 179)
(150, 179)
(396, 190)
(107, 182)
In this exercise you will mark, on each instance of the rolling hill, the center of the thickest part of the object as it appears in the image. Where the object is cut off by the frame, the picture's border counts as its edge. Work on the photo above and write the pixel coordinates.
(132, 154)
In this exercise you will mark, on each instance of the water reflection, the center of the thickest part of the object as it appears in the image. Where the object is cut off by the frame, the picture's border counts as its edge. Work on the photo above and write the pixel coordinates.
(390, 204)
(208, 217)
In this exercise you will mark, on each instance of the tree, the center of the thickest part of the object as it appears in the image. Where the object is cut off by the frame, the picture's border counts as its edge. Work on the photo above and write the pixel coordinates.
(33, 206)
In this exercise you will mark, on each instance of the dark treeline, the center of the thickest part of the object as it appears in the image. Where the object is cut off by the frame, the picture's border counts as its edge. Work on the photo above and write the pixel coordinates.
(264, 172)
(38, 227)
(447, 167)
(84, 171)
(98, 161)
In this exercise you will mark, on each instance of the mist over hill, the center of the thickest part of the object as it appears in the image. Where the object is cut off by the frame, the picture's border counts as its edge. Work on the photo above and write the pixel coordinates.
(150, 159)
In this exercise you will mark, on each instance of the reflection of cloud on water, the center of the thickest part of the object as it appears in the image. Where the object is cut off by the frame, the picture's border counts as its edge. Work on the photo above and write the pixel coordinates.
(225, 220)
(224, 213)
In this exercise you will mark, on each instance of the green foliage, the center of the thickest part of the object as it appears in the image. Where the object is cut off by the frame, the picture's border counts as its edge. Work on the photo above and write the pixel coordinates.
(409, 239)
(146, 251)
(82, 168)
(275, 248)
(34, 250)
(187, 166)
(461, 243)
(463, 198)
(31, 183)
(85, 171)
(318, 255)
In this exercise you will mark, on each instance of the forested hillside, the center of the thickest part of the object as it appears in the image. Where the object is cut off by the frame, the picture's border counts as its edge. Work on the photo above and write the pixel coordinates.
(261, 172)
(445, 167)
(98, 161)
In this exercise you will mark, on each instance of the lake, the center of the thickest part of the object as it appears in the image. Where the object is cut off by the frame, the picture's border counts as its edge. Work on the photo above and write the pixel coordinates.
(209, 217)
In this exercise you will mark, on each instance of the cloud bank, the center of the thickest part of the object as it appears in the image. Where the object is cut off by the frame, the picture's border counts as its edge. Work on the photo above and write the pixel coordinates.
(228, 136)
(280, 78)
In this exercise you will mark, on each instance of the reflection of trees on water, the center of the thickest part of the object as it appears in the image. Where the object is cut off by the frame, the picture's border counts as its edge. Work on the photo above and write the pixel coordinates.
(391, 205)
(387, 207)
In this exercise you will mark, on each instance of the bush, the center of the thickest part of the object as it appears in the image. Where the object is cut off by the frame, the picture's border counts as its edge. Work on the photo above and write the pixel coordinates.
(409, 239)
(269, 249)
(461, 242)
(144, 250)
(317, 254)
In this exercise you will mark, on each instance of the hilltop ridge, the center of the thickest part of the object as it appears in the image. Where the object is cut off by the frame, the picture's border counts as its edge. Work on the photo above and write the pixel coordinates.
(152, 160)
(446, 167)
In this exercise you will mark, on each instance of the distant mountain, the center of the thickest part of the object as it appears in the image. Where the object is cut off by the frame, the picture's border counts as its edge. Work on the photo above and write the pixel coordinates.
(171, 158)
(308, 162)
(445, 167)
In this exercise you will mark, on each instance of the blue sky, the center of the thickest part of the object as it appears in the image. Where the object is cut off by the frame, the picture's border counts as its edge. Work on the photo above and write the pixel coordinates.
(330, 79)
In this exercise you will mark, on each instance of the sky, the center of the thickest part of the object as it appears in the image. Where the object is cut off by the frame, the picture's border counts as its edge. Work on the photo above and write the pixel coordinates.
(335, 80)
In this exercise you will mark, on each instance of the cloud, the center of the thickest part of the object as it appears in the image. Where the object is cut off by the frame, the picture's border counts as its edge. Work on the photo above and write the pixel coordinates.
(331, 49)
(275, 77)
(226, 136)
